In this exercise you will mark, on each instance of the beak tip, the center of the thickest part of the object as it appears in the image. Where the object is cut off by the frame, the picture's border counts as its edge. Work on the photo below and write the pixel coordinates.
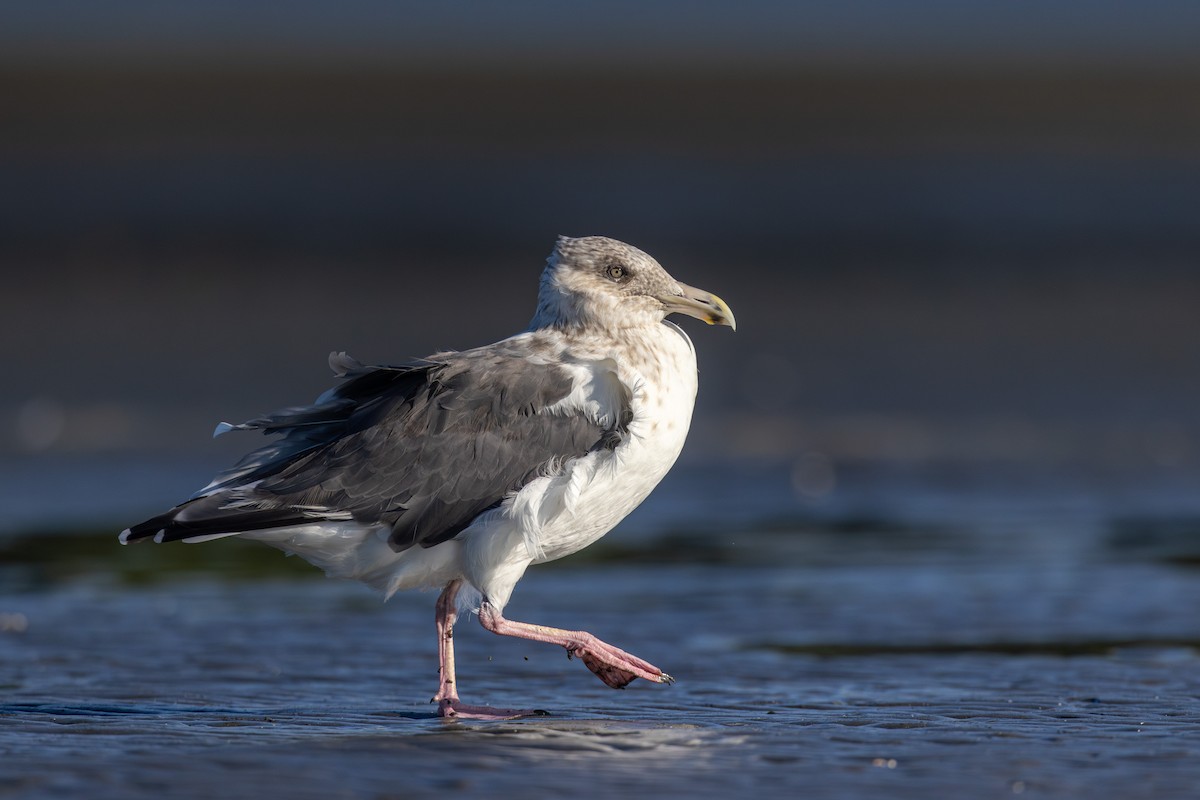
(702, 305)
(724, 315)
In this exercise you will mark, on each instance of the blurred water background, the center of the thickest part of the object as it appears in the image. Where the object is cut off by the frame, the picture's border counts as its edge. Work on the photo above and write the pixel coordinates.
(936, 526)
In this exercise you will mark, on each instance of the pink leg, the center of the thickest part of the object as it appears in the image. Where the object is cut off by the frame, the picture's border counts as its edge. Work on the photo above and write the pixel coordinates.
(449, 705)
(447, 613)
(610, 664)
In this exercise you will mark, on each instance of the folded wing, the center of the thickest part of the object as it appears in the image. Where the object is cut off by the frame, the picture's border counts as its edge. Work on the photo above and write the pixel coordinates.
(423, 448)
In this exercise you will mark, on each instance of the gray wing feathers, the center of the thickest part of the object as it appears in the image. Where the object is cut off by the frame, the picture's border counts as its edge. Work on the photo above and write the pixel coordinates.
(423, 448)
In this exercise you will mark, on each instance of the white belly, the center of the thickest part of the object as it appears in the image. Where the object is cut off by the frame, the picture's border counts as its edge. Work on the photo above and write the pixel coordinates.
(609, 485)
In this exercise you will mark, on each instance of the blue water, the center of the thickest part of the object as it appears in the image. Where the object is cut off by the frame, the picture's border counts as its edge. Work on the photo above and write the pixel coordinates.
(314, 688)
(908, 635)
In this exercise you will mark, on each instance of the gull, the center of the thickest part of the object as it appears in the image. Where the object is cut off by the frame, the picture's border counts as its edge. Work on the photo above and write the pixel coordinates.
(462, 469)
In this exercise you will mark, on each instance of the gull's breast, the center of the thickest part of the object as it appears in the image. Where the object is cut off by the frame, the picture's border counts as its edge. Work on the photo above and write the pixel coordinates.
(605, 486)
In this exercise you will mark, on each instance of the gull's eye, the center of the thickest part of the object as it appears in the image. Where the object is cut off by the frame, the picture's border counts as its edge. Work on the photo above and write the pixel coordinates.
(616, 272)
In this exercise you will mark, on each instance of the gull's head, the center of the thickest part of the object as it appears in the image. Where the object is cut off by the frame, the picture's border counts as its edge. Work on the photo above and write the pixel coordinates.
(597, 281)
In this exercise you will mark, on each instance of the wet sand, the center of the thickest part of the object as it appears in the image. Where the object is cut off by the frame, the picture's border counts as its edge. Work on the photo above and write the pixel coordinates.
(954, 677)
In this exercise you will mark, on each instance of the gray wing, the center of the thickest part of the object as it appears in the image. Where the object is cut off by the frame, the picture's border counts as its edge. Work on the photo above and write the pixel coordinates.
(423, 448)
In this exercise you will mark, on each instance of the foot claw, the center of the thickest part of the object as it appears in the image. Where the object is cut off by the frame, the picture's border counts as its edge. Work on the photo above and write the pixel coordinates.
(612, 665)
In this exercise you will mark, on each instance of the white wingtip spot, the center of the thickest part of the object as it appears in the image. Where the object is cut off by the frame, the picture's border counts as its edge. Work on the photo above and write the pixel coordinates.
(158, 537)
(123, 538)
(222, 427)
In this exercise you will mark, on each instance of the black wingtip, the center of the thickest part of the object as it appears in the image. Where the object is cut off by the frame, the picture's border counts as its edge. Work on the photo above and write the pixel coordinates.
(150, 529)
(208, 518)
